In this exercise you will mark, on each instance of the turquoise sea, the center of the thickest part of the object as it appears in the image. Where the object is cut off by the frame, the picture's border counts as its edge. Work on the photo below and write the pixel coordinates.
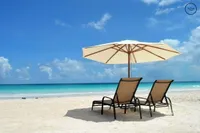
(56, 90)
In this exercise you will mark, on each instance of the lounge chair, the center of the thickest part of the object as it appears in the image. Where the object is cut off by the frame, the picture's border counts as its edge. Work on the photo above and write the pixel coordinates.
(123, 96)
(156, 96)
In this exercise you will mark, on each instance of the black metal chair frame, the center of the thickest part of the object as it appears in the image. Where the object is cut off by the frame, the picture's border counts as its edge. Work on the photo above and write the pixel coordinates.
(118, 104)
(160, 103)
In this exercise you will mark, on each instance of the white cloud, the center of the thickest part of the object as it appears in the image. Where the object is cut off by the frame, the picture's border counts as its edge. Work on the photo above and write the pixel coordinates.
(191, 48)
(68, 65)
(99, 25)
(61, 23)
(23, 73)
(60, 69)
(168, 2)
(46, 69)
(161, 2)
(115, 72)
(5, 67)
(172, 42)
(164, 11)
(161, 10)
(150, 1)
(193, 44)
(112, 72)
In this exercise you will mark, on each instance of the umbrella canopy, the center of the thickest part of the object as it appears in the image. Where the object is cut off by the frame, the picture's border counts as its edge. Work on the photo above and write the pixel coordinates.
(129, 51)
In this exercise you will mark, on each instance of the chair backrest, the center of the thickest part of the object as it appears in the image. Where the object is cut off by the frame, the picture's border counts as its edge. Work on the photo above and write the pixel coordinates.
(126, 90)
(159, 90)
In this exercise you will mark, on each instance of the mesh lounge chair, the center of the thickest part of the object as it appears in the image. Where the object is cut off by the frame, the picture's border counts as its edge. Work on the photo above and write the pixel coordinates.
(157, 95)
(123, 96)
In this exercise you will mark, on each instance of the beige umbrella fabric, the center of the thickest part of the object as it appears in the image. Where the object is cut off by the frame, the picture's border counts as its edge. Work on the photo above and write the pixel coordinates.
(129, 51)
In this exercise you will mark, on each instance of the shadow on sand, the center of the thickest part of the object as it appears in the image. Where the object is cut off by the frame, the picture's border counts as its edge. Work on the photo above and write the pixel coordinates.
(95, 115)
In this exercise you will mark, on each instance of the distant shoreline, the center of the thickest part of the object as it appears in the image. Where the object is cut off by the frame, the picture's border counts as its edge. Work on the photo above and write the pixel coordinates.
(93, 83)
(80, 94)
(57, 90)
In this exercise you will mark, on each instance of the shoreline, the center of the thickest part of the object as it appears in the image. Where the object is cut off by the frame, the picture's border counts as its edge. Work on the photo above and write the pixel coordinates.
(82, 94)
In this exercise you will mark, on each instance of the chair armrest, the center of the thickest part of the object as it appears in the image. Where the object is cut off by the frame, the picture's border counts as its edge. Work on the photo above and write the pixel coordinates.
(168, 98)
(107, 98)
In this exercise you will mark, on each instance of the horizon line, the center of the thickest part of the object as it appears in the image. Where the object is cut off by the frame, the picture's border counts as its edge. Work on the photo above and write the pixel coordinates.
(80, 83)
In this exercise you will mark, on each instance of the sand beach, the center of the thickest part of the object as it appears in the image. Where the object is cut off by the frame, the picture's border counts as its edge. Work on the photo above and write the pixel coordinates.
(73, 115)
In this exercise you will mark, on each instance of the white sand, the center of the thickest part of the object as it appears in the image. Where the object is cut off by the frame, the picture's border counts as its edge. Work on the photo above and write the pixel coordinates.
(73, 115)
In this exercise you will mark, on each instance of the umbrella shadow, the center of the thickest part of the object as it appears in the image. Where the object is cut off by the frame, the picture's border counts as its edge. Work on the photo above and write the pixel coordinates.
(88, 115)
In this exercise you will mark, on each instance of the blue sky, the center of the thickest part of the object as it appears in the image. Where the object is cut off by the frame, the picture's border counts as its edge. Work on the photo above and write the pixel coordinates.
(41, 41)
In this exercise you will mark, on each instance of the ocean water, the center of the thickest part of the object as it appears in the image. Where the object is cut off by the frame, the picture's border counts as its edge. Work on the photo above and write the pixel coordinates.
(56, 90)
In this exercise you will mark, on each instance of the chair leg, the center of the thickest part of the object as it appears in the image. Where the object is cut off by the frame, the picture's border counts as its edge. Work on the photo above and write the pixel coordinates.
(114, 111)
(170, 103)
(102, 109)
(135, 104)
(166, 102)
(125, 109)
(150, 110)
(154, 110)
(92, 106)
(140, 112)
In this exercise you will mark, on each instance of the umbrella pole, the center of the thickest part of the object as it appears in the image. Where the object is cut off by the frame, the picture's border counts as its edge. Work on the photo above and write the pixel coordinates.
(129, 66)
(129, 61)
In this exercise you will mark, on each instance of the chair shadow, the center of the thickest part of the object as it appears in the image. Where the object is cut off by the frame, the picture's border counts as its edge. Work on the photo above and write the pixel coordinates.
(94, 115)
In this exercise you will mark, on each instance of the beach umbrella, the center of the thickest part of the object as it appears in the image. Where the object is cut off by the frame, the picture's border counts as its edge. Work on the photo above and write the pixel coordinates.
(129, 51)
